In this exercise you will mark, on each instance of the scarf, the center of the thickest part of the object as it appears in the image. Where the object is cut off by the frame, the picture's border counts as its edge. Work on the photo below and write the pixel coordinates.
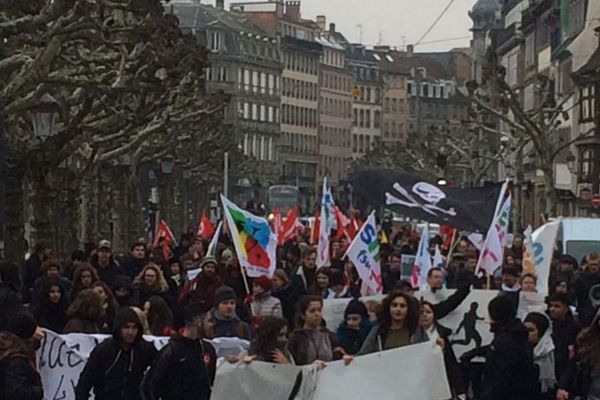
(543, 356)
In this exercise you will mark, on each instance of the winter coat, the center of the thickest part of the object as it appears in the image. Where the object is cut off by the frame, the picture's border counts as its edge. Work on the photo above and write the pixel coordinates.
(9, 304)
(113, 371)
(564, 335)
(352, 340)
(230, 327)
(200, 292)
(109, 273)
(390, 280)
(302, 280)
(266, 305)
(133, 266)
(52, 316)
(581, 287)
(510, 372)
(576, 379)
(330, 294)
(31, 271)
(300, 343)
(288, 297)
(79, 325)
(19, 379)
(453, 371)
(142, 293)
(183, 370)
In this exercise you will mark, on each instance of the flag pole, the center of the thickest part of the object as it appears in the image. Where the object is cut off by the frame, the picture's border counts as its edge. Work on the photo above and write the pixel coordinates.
(452, 248)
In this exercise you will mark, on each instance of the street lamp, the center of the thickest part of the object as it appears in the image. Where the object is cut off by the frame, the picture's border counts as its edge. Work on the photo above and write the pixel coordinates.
(44, 116)
(167, 164)
(442, 182)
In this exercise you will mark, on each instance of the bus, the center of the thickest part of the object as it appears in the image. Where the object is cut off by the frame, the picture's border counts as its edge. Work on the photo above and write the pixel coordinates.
(283, 197)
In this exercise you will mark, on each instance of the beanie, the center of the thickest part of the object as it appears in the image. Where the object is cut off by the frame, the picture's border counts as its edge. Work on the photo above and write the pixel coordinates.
(226, 254)
(264, 282)
(539, 320)
(208, 260)
(224, 293)
(22, 324)
(356, 307)
(501, 309)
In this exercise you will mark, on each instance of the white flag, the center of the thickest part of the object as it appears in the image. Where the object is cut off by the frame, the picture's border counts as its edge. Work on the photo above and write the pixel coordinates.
(212, 247)
(477, 239)
(364, 254)
(538, 253)
(492, 255)
(326, 223)
(438, 260)
(255, 243)
(418, 276)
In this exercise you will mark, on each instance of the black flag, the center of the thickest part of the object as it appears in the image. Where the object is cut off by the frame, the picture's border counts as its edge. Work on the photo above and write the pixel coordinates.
(467, 209)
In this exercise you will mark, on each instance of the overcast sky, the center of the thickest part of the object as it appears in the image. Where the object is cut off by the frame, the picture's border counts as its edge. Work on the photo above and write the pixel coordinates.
(397, 22)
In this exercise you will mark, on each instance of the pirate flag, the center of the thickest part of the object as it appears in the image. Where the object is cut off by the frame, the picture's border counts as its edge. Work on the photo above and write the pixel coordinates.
(466, 209)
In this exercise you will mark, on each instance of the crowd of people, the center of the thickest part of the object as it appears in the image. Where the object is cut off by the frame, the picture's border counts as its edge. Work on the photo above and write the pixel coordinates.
(193, 297)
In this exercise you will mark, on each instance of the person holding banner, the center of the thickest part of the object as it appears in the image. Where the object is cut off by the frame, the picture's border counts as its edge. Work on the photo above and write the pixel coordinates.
(270, 342)
(117, 365)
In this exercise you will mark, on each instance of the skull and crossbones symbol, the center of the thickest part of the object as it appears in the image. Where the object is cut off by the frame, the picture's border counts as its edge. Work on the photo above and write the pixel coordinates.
(429, 193)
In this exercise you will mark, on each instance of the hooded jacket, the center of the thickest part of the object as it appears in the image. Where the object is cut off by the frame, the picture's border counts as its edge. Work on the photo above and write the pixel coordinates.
(183, 370)
(114, 371)
(352, 340)
(109, 273)
(19, 379)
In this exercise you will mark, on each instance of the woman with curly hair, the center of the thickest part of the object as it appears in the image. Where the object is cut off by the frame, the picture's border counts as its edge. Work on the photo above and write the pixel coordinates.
(270, 342)
(83, 277)
(582, 376)
(397, 323)
(150, 282)
(86, 313)
(160, 317)
(109, 304)
(51, 310)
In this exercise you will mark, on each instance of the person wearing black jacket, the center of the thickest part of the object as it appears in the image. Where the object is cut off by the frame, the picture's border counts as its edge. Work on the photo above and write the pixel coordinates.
(19, 379)
(564, 331)
(105, 264)
(32, 268)
(185, 368)
(116, 366)
(136, 261)
(10, 303)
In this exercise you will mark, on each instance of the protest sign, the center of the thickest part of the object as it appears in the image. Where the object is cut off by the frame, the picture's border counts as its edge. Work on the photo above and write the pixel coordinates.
(61, 358)
(379, 376)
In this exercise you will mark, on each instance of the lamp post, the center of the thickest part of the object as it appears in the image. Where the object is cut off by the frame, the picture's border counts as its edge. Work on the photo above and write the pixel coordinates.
(43, 117)
(166, 165)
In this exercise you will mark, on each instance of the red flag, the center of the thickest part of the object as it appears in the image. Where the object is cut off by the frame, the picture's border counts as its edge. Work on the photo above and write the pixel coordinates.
(163, 238)
(314, 235)
(288, 227)
(206, 229)
(447, 232)
(342, 222)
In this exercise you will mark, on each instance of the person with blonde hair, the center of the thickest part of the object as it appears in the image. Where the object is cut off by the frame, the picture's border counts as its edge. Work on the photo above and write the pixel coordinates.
(150, 282)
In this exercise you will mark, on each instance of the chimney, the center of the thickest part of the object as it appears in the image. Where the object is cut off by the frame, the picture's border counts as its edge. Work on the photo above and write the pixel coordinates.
(220, 4)
(292, 10)
(321, 22)
(410, 50)
(332, 28)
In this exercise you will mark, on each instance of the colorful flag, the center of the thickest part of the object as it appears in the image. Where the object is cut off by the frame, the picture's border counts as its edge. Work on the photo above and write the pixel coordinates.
(163, 238)
(538, 253)
(418, 276)
(212, 247)
(254, 241)
(323, 256)
(364, 254)
(492, 254)
(206, 228)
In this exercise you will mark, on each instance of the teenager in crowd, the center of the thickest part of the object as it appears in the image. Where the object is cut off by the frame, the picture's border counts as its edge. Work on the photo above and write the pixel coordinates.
(321, 283)
(51, 309)
(109, 304)
(355, 327)
(263, 303)
(86, 313)
(304, 276)
(136, 261)
(150, 282)
(83, 277)
(336, 289)
(122, 290)
(528, 283)
(199, 293)
(270, 342)
(540, 337)
(227, 323)
(286, 293)
(105, 263)
(160, 318)
(397, 322)
(50, 269)
(116, 366)
(564, 330)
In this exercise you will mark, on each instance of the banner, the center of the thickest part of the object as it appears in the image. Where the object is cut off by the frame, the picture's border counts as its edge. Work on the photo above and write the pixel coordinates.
(418, 276)
(254, 241)
(364, 254)
(537, 257)
(61, 358)
(471, 210)
(326, 223)
(492, 255)
(381, 376)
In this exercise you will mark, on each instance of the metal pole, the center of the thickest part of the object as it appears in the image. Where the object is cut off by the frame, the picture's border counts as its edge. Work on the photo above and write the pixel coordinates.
(226, 174)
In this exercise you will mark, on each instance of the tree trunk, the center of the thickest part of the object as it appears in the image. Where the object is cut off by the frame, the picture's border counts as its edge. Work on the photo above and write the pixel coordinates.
(549, 190)
(41, 194)
(15, 223)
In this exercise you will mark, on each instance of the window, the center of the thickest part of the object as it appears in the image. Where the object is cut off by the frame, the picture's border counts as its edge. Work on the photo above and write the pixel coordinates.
(386, 129)
(263, 113)
(354, 143)
(271, 114)
(368, 119)
(361, 118)
(354, 117)
(587, 106)
(216, 41)
(262, 148)
(528, 97)
(223, 74)
(271, 84)
(246, 111)
(263, 82)
(377, 119)
(254, 146)
(586, 167)
(425, 90)
(388, 105)
(246, 80)
(254, 112)
(368, 95)
(254, 81)
(246, 144)
(409, 88)
(442, 94)
(530, 50)
(270, 155)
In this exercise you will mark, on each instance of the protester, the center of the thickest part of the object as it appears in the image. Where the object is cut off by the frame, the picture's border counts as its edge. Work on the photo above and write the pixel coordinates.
(391, 275)
(200, 291)
(564, 330)
(310, 342)
(355, 327)
(51, 310)
(109, 304)
(305, 275)
(286, 293)
(83, 278)
(160, 318)
(397, 322)
(263, 303)
(430, 330)
(227, 323)
(528, 283)
(136, 261)
(150, 282)
(122, 290)
(321, 283)
(86, 313)
(509, 368)
(104, 263)
(185, 368)
(10, 301)
(270, 342)
(116, 366)
(32, 268)
(582, 375)
(540, 337)
(19, 378)
(50, 269)
(174, 276)
(336, 289)
(582, 285)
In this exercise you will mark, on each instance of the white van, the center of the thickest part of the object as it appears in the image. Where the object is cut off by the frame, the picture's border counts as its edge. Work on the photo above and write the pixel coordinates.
(579, 236)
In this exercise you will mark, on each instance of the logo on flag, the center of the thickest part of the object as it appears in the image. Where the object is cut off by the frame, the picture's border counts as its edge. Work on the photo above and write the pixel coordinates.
(364, 254)
(418, 276)
(206, 228)
(163, 238)
(325, 226)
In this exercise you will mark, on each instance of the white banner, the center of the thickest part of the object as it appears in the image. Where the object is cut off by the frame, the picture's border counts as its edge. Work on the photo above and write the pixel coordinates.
(381, 376)
(418, 276)
(492, 256)
(61, 358)
(326, 223)
(364, 254)
(539, 248)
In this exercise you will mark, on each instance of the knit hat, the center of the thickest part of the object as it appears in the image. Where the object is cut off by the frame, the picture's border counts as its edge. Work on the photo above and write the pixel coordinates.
(22, 324)
(224, 293)
(264, 282)
(226, 254)
(208, 260)
(356, 307)
(539, 320)
(501, 309)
